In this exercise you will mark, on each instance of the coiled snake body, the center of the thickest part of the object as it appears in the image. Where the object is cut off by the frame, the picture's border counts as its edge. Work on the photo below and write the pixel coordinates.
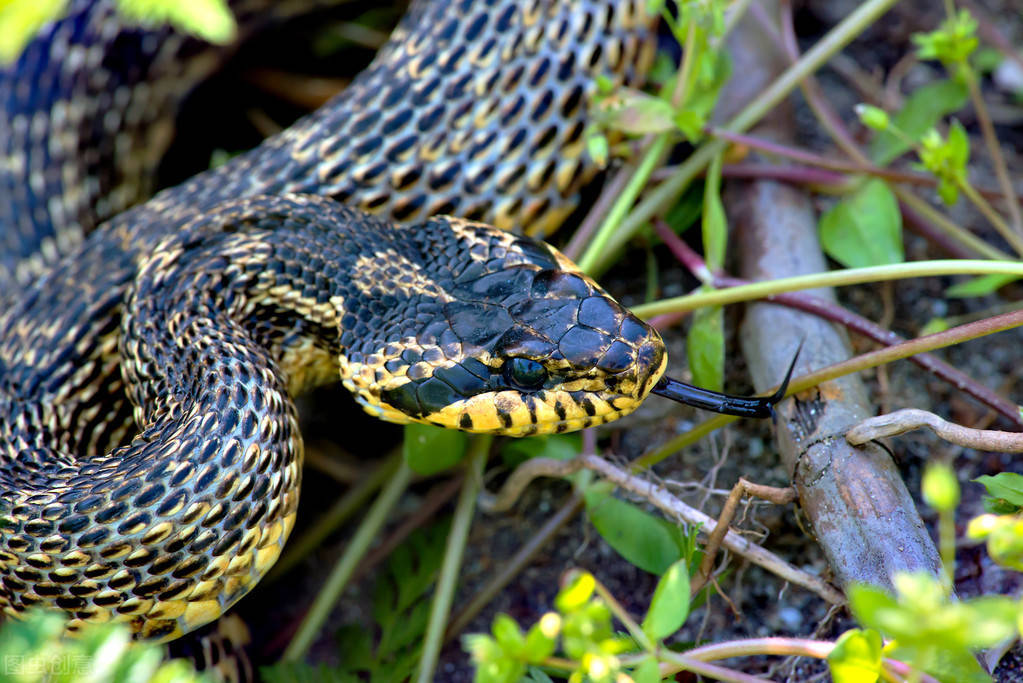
(150, 450)
(207, 306)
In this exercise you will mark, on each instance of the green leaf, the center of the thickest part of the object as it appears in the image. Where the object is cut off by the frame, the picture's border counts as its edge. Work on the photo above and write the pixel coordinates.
(634, 112)
(649, 542)
(934, 325)
(576, 592)
(20, 20)
(856, 657)
(669, 608)
(953, 42)
(1007, 486)
(210, 20)
(648, 671)
(514, 452)
(687, 209)
(542, 638)
(508, 635)
(873, 117)
(428, 449)
(865, 228)
(705, 347)
(923, 109)
(537, 675)
(598, 147)
(992, 619)
(715, 226)
(980, 286)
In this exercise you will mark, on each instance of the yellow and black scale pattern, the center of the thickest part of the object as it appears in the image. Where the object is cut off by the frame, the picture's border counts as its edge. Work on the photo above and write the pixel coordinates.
(149, 451)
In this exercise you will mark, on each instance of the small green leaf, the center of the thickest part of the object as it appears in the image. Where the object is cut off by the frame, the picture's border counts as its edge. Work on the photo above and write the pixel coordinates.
(873, 117)
(648, 671)
(1007, 486)
(865, 228)
(541, 639)
(987, 59)
(922, 110)
(430, 449)
(940, 488)
(537, 675)
(946, 159)
(210, 20)
(20, 20)
(953, 42)
(705, 347)
(634, 112)
(598, 147)
(649, 542)
(934, 325)
(576, 594)
(669, 608)
(856, 657)
(992, 619)
(715, 226)
(508, 635)
(980, 286)
(514, 452)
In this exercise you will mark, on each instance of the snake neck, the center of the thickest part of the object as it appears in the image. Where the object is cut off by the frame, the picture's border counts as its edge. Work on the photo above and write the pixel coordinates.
(471, 109)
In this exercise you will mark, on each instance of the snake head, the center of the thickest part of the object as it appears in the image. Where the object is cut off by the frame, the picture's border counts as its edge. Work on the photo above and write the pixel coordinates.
(511, 338)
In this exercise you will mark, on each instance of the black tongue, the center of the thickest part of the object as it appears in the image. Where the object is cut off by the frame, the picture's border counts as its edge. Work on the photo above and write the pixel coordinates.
(726, 404)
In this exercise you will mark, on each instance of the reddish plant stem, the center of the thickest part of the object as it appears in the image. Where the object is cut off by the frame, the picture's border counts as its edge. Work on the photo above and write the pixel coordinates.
(856, 323)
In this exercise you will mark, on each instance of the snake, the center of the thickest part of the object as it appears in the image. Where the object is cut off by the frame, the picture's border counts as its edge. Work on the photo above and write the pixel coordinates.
(150, 350)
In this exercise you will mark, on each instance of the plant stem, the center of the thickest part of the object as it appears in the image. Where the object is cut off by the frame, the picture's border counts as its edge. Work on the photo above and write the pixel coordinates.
(987, 129)
(834, 278)
(335, 584)
(479, 448)
(947, 227)
(993, 216)
(328, 522)
(612, 224)
(661, 197)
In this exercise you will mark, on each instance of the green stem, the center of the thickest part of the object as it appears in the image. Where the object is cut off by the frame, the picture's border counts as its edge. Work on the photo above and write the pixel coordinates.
(356, 550)
(947, 227)
(328, 522)
(634, 629)
(685, 71)
(444, 593)
(993, 216)
(624, 202)
(834, 278)
(661, 197)
(987, 129)
(947, 546)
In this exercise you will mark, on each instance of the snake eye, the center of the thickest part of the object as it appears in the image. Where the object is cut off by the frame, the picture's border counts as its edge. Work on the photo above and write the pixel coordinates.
(524, 373)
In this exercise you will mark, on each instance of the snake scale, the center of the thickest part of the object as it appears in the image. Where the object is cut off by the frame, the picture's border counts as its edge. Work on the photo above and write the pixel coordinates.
(150, 448)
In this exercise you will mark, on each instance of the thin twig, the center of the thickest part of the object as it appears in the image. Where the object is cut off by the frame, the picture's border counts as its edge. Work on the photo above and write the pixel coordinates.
(902, 421)
(663, 499)
(994, 149)
(741, 489)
